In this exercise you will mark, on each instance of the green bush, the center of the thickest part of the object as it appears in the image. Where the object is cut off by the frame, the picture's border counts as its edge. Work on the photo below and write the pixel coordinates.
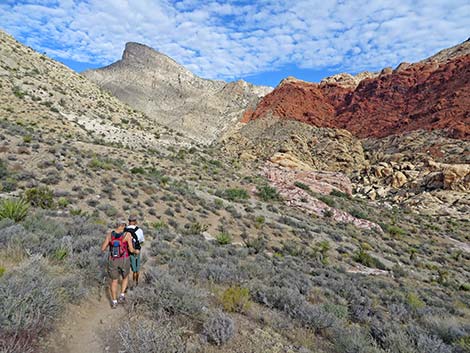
(394, 230)
(328, 200)
(137, 170)
(2, 271)
(15, 209)
(414, 302)
(366, 259)
(40, 197)
(224, 238)
(236, 299)
(233, 194)
(337, 193)
(302, 186)
(159, 225)
(465, 287)
(268, 193)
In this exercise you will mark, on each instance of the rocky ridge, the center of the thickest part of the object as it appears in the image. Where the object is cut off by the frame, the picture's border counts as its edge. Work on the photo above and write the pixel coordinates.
(173, 96)
(418, 96)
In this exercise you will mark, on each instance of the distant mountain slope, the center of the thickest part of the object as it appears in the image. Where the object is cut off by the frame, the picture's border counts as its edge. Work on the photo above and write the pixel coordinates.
(434, 94)
(38, 91)
(173, 96)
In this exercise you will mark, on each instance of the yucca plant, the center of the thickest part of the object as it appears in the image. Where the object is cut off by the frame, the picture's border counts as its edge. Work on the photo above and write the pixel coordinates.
(15, 209)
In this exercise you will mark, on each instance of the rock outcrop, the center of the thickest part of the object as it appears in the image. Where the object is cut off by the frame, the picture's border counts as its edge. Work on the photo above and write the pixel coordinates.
(284, 180)
(430, 95)
(291, 143)
(173, 96)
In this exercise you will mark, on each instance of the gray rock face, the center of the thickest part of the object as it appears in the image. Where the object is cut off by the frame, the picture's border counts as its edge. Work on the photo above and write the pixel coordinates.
(173, 96)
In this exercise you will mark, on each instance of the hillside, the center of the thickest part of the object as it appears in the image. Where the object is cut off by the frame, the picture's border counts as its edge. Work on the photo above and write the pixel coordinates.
(173, 96)
(242, 254)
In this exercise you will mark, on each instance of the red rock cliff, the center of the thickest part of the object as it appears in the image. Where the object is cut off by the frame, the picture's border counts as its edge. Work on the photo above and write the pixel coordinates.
(419, 96)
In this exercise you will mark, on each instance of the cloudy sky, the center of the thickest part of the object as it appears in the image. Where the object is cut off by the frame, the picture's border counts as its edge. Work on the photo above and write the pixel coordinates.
(259, 41)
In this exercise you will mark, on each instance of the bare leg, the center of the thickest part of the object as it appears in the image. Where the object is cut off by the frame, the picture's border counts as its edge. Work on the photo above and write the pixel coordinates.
(136, 278)
(125, 280)
(114, 284)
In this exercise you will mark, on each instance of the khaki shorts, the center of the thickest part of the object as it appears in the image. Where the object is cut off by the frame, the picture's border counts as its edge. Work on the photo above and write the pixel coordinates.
(118, 267)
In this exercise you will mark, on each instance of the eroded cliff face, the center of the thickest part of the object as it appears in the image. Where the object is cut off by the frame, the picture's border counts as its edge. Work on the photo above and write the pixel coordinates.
(428, 95)
(173, 96)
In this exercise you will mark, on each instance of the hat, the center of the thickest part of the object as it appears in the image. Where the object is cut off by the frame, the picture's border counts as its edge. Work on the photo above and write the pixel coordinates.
(132, 217)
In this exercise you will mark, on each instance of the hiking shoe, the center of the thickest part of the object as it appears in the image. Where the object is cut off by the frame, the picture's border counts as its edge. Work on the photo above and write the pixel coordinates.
(114, 304)
(122, 299)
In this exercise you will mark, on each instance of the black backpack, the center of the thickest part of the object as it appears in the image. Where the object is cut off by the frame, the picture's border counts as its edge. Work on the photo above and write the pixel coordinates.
(135, 240)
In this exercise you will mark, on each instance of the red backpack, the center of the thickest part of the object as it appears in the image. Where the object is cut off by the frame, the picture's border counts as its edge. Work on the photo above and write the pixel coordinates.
(117, 245)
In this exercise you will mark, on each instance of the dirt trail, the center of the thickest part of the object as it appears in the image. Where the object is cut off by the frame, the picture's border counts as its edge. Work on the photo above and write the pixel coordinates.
(90, 326)
(84, 328)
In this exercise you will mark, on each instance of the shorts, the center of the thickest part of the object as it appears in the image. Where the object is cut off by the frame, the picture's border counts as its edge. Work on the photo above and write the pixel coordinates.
(135, 262)
(118, 267)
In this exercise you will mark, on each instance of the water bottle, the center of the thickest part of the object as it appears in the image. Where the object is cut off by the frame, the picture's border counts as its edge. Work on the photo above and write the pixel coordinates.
(115, 248)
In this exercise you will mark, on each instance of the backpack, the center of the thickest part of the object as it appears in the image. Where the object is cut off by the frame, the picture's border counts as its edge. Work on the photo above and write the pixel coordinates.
(118, 246)
(135, 239)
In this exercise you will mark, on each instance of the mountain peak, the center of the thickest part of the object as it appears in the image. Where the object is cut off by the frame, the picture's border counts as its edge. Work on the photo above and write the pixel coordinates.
(141, 54)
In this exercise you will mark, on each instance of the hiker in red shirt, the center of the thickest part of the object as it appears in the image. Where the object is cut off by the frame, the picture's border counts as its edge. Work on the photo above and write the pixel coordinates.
(119, 243)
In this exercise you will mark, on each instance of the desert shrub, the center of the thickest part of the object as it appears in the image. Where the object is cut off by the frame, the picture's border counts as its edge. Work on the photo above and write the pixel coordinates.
(219, 328)
(236, 299)
(145, 336)
(167, 295)
(295, 305)
(394, 230)
(302, 185)
(353, 340)
(414, 302)
(366, 259)
(358, 213)
(448, 329)
(32, 298)
(221, 271)
(137, 170)
(328, 200)
(258, 244)
(3, 169)
(268, 193)
(196, 228)
(233, 194)
(14, 209)
(463, 344)
(337, 193)
(223, 238)
(40, 197)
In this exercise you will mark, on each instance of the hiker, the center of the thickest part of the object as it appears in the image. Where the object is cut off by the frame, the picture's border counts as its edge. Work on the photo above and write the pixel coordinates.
(137, 240)
(119, 243)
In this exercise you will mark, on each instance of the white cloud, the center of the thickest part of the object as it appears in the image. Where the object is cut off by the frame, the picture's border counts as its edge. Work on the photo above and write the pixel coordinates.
(229, 39)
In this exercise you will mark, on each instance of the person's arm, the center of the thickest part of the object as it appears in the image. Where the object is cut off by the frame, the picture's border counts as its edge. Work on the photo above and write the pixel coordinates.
(130, 245)
(106, 241)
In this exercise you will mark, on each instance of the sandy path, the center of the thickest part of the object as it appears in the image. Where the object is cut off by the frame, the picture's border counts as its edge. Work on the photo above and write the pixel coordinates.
(90, 326)
(85, 327)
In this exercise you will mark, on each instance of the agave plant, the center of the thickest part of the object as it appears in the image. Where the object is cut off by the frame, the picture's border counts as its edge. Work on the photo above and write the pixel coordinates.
(15, 209)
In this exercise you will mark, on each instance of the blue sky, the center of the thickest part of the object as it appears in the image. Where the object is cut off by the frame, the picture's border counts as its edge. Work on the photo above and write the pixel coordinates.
(259, 41)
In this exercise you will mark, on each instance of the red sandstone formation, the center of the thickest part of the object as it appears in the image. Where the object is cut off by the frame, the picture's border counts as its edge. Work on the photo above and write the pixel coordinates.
(418, 96)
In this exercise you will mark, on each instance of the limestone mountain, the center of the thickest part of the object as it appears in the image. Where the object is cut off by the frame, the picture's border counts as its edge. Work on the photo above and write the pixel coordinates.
(173, 96)
(38, 91)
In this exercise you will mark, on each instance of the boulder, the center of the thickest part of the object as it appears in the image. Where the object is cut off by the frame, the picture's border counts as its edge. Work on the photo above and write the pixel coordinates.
(398, 180)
